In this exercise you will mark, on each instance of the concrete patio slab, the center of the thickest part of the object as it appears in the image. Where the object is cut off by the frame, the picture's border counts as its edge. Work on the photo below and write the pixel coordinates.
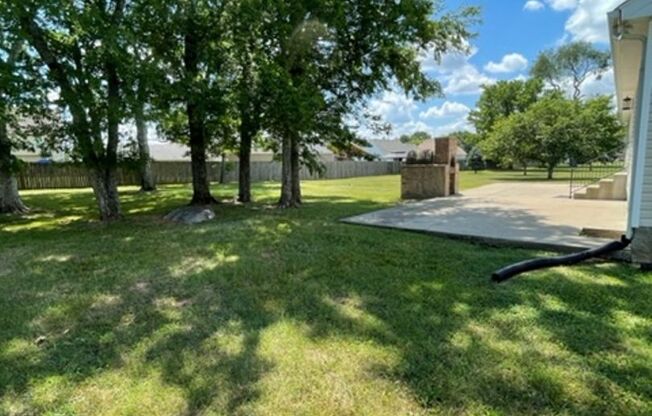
(524, 214)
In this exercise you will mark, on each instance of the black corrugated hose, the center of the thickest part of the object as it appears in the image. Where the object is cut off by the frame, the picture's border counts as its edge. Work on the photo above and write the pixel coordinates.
(508, 272)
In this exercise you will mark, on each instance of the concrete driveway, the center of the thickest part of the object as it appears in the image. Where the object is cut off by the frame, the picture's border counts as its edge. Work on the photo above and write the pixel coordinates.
(535, 214)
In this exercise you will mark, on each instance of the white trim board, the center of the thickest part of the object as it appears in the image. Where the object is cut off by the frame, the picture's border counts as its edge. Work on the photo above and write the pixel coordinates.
(642, 139)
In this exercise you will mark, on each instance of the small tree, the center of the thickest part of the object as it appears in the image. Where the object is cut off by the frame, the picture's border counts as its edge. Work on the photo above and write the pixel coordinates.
(555, 131)
(602, 132)
(512, 140)
(574, 62)
(475, 159)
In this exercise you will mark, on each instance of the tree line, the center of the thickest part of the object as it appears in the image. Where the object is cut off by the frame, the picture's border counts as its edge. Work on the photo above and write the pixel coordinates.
(215, 75)
(545, 119)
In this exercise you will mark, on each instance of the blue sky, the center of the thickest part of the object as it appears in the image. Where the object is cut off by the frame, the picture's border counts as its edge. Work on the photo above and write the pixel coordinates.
(511, 35)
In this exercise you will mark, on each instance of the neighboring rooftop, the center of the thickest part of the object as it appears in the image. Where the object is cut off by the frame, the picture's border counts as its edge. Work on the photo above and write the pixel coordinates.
(389, 149)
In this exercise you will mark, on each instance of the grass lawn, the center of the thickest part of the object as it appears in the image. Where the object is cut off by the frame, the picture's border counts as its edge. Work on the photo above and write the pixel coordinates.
(267, 312)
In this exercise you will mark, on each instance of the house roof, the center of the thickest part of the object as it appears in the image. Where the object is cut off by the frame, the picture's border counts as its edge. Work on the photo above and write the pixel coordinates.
(388, 148)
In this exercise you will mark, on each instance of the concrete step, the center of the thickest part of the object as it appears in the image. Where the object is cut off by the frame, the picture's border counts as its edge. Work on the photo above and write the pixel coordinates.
(620, 186)
(593, 191)
(606, 189)
(612, 188)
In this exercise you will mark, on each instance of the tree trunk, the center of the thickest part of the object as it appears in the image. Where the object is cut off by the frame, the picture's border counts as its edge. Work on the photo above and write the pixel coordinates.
(222, 168)
(106, 181)
(524, 169)
(551, 169)
(244, 166)
(287, 189)
(296, 171)
(147, 182)
(105, 188)
(201, 193)
(10, 201)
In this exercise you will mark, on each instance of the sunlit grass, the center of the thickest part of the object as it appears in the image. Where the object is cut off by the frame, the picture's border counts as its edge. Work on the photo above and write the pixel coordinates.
(292, 312)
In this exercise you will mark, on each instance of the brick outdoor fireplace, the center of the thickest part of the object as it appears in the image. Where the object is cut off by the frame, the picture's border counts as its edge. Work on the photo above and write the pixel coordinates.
(432, 173)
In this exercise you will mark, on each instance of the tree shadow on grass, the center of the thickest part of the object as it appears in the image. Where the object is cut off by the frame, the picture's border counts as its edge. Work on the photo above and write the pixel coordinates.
(194, 303)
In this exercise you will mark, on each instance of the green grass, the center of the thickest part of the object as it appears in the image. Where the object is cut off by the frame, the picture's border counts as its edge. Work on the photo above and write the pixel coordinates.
(273, 312)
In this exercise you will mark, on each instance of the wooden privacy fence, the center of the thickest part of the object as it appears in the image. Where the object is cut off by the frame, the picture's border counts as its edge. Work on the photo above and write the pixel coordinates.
(35, 176)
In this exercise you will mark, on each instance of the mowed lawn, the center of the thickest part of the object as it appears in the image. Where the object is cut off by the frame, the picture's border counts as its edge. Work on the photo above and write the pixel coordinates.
(267, 312)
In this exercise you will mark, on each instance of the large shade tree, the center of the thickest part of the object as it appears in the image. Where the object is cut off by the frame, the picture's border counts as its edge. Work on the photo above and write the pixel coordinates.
(81, 46)
(249, 53)
(193, 86)
(329, 57)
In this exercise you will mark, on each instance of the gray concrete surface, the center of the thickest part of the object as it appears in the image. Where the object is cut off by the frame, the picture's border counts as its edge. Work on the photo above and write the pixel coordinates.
(527, 214)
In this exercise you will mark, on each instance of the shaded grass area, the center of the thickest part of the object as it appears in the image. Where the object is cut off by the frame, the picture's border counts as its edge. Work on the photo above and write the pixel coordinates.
(291, 312)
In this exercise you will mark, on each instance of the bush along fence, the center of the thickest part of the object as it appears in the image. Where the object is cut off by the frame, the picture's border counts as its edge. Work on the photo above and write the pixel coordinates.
(52, 176)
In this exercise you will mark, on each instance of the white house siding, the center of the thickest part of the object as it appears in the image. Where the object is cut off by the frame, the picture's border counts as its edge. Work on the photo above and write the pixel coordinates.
(646, 199)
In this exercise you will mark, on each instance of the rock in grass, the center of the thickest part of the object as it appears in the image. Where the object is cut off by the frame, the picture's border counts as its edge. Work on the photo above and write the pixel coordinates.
(191, 215)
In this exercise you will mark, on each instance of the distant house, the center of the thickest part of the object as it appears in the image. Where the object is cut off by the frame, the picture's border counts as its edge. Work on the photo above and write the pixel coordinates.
(174, 152)
(395, 150)
(37, 157)
(389, 150)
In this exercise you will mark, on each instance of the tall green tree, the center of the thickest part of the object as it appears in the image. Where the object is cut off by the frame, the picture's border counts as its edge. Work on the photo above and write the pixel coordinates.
(249, 53)
(328, 58)
(574, 62)
(186, 38)
(82, 47)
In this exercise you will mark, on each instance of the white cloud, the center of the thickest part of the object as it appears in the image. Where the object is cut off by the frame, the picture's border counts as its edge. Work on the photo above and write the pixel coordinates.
(533, 5)
(559, 5)
(588, 21)
(467, 80)
(448, 108)
(402, 113)
(457, 75)
(434, 130)
(393, 106)
(603, 86)
(512, 62)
